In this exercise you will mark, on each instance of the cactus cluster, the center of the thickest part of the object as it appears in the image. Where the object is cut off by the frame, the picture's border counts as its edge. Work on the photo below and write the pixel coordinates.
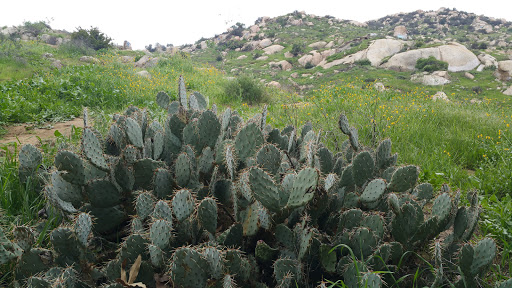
(212, 201)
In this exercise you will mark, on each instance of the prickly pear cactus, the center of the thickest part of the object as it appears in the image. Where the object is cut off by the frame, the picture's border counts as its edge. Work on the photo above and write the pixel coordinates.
(207, 200)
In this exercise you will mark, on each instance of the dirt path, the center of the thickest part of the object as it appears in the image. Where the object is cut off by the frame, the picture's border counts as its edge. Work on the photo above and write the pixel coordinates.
(28, 134)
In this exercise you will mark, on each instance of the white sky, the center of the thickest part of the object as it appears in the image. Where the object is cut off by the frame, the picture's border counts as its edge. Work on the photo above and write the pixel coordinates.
(182, 22)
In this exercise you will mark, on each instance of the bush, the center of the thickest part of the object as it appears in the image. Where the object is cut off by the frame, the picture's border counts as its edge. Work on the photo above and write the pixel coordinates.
(36, 28)
(309, 65)
(246, 89)
(297, 49)
(430, 64)
(218, 58)
(364, 62)
(93, 38)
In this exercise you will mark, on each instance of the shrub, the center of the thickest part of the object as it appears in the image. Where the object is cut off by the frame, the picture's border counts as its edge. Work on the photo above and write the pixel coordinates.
(364, 62)
(218, 58)
(93, 38)
(36, 28)
(476, 89)
(244, 88)
(430, 64)
(309, 65)
(297, 49)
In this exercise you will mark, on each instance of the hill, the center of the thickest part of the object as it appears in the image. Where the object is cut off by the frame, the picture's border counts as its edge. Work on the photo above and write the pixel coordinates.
(299, 52)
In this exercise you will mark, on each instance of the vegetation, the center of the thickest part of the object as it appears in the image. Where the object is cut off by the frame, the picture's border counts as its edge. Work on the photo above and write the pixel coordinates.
(92, 38)
(464, 145)
(244, 88)
(431, 64)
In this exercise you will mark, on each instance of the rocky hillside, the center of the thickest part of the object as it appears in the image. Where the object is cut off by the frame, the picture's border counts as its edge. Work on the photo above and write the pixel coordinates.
(299, 50)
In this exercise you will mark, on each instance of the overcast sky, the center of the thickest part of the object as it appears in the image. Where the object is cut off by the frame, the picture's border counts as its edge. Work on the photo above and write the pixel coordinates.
(182, 22)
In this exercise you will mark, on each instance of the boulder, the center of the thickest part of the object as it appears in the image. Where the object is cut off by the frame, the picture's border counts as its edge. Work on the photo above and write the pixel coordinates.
(305, 59)
(459, 58)
(469, 76)
(254, 29)
(508, 91)
(144, 74)
(443, 74)
(89, 59)
(265, 43)
(329, 45)
(284, 65)
(204, 45)
(440, 96)
(317, 45)
(262, 58)
(57, 64)
(294, 75)
(241, 57)
(504, 70)
(274, 84)
(430, 80)
(273, 49)
(296, 22)
(400, 32)
(288, 54)
(146, 62)
(383, 48)
(127, 59)
(487, 60)
(47, 55)
(379, 86)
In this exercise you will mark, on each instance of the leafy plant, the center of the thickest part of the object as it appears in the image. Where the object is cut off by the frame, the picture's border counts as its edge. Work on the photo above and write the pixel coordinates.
(244, 88)
(430, 64)
(182, 194)
(92, 38)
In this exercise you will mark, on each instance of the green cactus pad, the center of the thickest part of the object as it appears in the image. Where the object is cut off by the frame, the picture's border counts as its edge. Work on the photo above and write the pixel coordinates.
(183, 170)
(284, 235)
(66, 246)
(144, 204)
(208, 129)
(248, 141)
(347, 178)
(286, 272)
(232, 237)
(183, 204)
(207, 214)
(442, 207)
(326, 160)
(163, 183)
(264, 189)
(188, 268)
(182, 92)
(405, 224)
(162, 99)
(72, 164)
(485, 251)
(375, 223)
(162, 211)
(92, 149)
(32, 262)
(249, 219)
(82, 228)
(343, 124)
(134, 133)
(156, 256)
(136, 225)
(264, 252)
(24, 238)
(66, 191)
(144, 169)
(160, 232)
(403, 179)
(424, 191)
(373, 191)
(304, 187)
(215, 261)
(363, 167)
(371, 280)
(350, 219)
(269, 158)
(106, 219)
(30, 158)
(133, 246)
(102, 193)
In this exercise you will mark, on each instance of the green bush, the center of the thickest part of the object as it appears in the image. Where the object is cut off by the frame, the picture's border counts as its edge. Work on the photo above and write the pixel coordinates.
(309, 65)
(92, 38)
(431, 64)
(36, 28)
(245, 88)
(364, 62)
(297, 49)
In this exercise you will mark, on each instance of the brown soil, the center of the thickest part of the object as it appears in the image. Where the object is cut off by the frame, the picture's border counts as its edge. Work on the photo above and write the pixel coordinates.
(28, 133)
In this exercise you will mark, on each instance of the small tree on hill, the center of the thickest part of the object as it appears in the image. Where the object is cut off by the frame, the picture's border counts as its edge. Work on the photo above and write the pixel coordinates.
(93, 38)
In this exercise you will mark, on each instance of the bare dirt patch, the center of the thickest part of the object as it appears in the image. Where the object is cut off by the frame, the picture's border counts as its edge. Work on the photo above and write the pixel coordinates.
(30, 134)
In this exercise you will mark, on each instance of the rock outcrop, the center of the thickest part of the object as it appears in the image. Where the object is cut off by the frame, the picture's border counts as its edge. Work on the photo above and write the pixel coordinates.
(458, 57)
(504, 71)
(273, 49)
